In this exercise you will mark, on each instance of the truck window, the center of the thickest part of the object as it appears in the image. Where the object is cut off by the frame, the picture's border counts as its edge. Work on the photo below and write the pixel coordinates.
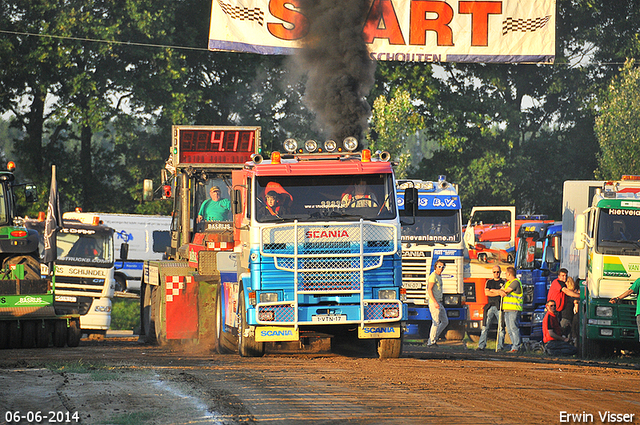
(94, 248)
(433, 225)
(618, 231)
(161, 240)
(318, 198)
(4, 219)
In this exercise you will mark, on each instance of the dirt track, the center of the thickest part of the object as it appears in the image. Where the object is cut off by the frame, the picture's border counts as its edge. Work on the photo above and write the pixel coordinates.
(120, 381)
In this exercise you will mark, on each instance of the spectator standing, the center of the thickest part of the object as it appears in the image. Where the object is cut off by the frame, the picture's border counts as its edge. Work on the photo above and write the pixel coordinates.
(569, 316)
(555, 343)
(558, 291)
(439, 319)
(492, 308)
(511, 307)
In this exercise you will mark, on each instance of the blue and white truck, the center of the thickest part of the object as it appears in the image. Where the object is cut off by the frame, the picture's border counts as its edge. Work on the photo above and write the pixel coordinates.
(537, 264)
(433, 233)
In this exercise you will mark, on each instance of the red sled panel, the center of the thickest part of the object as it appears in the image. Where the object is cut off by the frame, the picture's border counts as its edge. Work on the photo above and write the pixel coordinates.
(181, 307)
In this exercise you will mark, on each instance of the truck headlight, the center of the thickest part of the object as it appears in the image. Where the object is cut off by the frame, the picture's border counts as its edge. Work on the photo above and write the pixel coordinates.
(537, 317)
(268, 297)
(604, 311)
(451, 300)
(387, 294)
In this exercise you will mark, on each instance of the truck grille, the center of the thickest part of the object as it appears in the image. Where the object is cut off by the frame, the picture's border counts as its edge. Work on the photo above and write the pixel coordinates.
(335, 262)
(71, 285)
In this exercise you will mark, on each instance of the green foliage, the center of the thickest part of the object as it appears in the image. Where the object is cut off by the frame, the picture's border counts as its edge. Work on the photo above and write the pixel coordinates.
(618, 126)
(125, 314)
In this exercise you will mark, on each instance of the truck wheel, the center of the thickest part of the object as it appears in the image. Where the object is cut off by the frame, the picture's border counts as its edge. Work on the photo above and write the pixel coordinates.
(121, 284)
(43, 330)
(15, 334)
(4, 335)
(454, 333)
(158, 315)
(247, 345)
(221, 337)
(31, 265)
(74, 333)
(596, 349)
(390, 348)
(28, 334)
(146, 313)
(60, 333)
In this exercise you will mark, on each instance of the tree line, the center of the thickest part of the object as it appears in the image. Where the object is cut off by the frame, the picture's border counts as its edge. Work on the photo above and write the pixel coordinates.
(95, 86)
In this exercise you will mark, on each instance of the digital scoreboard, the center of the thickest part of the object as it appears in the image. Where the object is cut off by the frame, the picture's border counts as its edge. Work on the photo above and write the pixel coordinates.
(214, 146)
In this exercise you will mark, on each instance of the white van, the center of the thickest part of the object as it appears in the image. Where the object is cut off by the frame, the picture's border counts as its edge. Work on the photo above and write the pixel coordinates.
(147, 236)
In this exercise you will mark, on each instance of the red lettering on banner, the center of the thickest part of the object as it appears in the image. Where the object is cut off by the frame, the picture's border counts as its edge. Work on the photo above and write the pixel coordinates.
(480, 11)
(284, 9)
(383, 23)
(420, 24)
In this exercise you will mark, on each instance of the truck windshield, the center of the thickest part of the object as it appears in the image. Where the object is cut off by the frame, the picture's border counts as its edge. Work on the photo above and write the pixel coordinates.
(212, 200)
(618, 232)
(94, 248)
(4, 199)
(433, 226)
(319, 198)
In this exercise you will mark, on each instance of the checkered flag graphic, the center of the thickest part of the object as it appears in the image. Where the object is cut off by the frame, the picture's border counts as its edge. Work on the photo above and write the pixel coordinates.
(524, 25)
(242, 13)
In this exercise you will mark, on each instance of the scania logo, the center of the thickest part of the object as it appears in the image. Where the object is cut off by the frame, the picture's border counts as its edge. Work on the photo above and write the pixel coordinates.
(318, 234)
(277, 333)
(413, 254)
(385, 330)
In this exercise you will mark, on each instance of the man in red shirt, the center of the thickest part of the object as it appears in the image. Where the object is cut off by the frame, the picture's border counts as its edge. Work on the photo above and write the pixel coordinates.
(555, 343)
(558, 291)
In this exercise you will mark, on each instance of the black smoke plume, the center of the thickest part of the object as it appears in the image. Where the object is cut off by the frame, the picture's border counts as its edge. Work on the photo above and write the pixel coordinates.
(340, 72)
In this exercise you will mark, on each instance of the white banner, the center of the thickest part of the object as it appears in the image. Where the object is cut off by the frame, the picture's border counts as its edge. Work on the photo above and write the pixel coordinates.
(502, 31)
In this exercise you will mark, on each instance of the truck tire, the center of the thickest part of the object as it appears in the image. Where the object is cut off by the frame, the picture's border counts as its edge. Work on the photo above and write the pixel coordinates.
(158, 316)
(43, 330)
(74, 333)
(223, 343)
(146, 314)
(390, 348)
(4, 335)
(454, 332)
(121, 283)
(28, 334)
(60, 333)
(15, 334)
(30, 263)
(247, 345)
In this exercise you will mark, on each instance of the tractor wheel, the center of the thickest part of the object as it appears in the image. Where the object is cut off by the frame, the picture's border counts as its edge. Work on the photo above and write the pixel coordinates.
(74, 333)
(60, 333)
(31, 265)
(28, 333)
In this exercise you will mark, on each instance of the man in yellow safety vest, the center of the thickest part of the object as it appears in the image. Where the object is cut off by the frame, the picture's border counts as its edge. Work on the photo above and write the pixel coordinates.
(511, 306)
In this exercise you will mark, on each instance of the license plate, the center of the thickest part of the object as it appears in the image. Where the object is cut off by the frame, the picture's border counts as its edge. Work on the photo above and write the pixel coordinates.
(325, 318)
(412, 285)
(63, 298)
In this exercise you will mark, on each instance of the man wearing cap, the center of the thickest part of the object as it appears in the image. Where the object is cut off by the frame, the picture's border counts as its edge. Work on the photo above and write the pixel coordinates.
(214, 209)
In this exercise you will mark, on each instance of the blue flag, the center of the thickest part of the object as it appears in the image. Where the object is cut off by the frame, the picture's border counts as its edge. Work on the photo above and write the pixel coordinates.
(53, 222)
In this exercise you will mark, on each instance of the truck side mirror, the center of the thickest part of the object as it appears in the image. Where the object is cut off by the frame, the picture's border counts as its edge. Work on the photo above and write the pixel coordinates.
(31, 193)
(580, 231)
(237, 202)
(411, 200)
(124, 251)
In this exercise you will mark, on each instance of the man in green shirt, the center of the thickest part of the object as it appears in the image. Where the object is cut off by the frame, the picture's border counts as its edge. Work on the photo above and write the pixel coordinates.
(214, 209)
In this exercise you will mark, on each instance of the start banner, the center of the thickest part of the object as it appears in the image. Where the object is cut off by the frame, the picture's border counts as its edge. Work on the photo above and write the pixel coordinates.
(501, 31)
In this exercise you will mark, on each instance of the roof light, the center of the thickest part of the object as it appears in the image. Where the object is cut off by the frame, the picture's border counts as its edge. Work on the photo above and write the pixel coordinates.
(629, 177)
(11, 165)
(311, 145)
(366, 155)
(330, 145)
(350, 143)
(275, 157)
(42, 216)
(290, 145)
(96, 220)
